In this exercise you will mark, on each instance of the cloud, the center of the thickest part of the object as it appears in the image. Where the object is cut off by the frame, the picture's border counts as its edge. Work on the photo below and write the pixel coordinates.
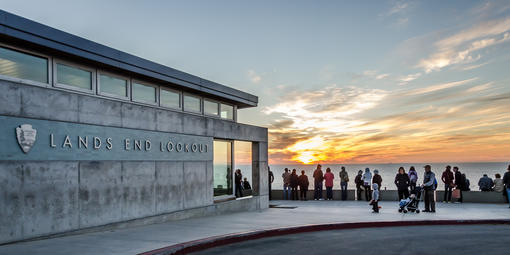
(398, 7)
(439, 87)
(254, 77)
(382, 76)
(410, 77)
(465, 46)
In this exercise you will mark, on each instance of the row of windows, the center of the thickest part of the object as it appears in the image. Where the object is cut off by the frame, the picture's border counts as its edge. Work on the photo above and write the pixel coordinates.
(17, 64)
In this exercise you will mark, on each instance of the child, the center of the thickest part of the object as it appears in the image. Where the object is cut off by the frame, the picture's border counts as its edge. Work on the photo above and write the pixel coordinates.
(375, 198)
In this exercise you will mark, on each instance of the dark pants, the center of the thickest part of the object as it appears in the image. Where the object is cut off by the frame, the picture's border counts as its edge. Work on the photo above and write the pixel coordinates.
(412, 186)
(430, 204)
(329, 192)
(294, 193)
(460, 200)
(447, 193)
(317, 191)
(303, 193)
(375, 206)
(368, 193)
(343, 187)
(239, 190)
(270, 191)
(403, 193)
(358, 193)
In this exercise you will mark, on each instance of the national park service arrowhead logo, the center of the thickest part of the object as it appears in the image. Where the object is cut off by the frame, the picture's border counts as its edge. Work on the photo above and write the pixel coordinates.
(26, 137)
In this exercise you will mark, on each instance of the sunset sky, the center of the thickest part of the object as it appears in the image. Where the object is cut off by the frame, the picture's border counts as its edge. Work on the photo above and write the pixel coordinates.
(338, 82)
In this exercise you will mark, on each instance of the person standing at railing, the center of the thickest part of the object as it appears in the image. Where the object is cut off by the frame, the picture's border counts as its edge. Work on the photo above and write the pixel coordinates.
(428, 185)
(359, 183)
(303, 185)
(460, 182)
(447, 179)
(506, 181)
(413, 178)
(344, 180)
(286, 182)
(367, 182)
(402, 182)
(293, 183)
(318, 178)
(328, 178)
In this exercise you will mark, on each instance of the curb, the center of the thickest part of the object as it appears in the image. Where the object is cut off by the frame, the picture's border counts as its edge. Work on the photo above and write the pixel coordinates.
(214, 241)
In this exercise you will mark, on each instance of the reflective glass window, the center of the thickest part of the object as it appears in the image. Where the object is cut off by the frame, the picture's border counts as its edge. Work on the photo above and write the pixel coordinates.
(210, 108)
(170, 98)
(74, 76)
(222, 168)
(23, 66)
(144, 93)
(113, 85)
(192, 103)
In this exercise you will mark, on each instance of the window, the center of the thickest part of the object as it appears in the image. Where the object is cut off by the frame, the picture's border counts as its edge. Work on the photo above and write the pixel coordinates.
(222, 168)
(113, 85)
(227, 111)
(144, 93)
(192, 103)
(210, 107)
(23, 66)
(243, 160)
(170, 98)
(73, 77)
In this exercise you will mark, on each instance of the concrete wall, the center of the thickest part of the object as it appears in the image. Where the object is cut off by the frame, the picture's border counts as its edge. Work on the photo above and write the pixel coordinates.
(41, 198)
(392, 195)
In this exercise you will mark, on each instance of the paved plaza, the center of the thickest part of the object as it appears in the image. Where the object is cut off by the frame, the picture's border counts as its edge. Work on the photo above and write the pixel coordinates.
(283, 214)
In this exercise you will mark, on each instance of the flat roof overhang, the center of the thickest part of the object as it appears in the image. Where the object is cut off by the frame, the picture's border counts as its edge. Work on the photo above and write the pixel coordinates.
(19, 28)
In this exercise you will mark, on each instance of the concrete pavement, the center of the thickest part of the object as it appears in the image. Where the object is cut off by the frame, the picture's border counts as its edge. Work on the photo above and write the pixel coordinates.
(145, 238)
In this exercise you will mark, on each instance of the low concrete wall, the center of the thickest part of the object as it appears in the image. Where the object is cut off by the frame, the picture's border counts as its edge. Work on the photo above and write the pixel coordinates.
(392, 195)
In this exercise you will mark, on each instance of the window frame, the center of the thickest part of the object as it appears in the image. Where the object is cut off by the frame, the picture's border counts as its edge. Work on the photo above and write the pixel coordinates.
(106, 94)
(133, 81)
(218, 103)
(233, 111)
(232, 158)
(93, 75)
(181, 98)
(49, 67)
(201, 111)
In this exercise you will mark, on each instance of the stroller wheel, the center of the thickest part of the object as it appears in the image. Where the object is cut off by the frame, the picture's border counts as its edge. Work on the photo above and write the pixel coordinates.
(417, 211)
(399, 210)
(405, 211)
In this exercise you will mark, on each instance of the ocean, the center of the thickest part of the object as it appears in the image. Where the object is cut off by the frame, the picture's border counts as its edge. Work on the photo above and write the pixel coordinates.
(473, 171)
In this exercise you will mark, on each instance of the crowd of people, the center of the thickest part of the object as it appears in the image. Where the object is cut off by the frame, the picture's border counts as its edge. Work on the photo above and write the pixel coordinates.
(370, 184)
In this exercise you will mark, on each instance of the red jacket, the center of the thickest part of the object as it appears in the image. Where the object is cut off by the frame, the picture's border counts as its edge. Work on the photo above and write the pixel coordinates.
(328, 176)
(447, 177)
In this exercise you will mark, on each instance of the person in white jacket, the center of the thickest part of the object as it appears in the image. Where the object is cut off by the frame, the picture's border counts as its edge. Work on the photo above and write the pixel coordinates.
(367, 181)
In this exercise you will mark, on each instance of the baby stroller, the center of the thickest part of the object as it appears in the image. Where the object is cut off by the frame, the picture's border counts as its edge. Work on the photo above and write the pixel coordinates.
(411, 203)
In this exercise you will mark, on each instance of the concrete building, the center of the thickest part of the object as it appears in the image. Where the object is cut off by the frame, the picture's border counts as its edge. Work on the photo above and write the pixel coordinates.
(92, 137)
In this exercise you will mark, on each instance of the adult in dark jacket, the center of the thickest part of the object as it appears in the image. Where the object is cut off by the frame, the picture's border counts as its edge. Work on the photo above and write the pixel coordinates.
(459, 182)
(238, 179)
(485, 183)
(377, 178)
(303, 185)
(293, 185)
(359, 183)
(506, 181)
(402, 182)
(447, 179)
